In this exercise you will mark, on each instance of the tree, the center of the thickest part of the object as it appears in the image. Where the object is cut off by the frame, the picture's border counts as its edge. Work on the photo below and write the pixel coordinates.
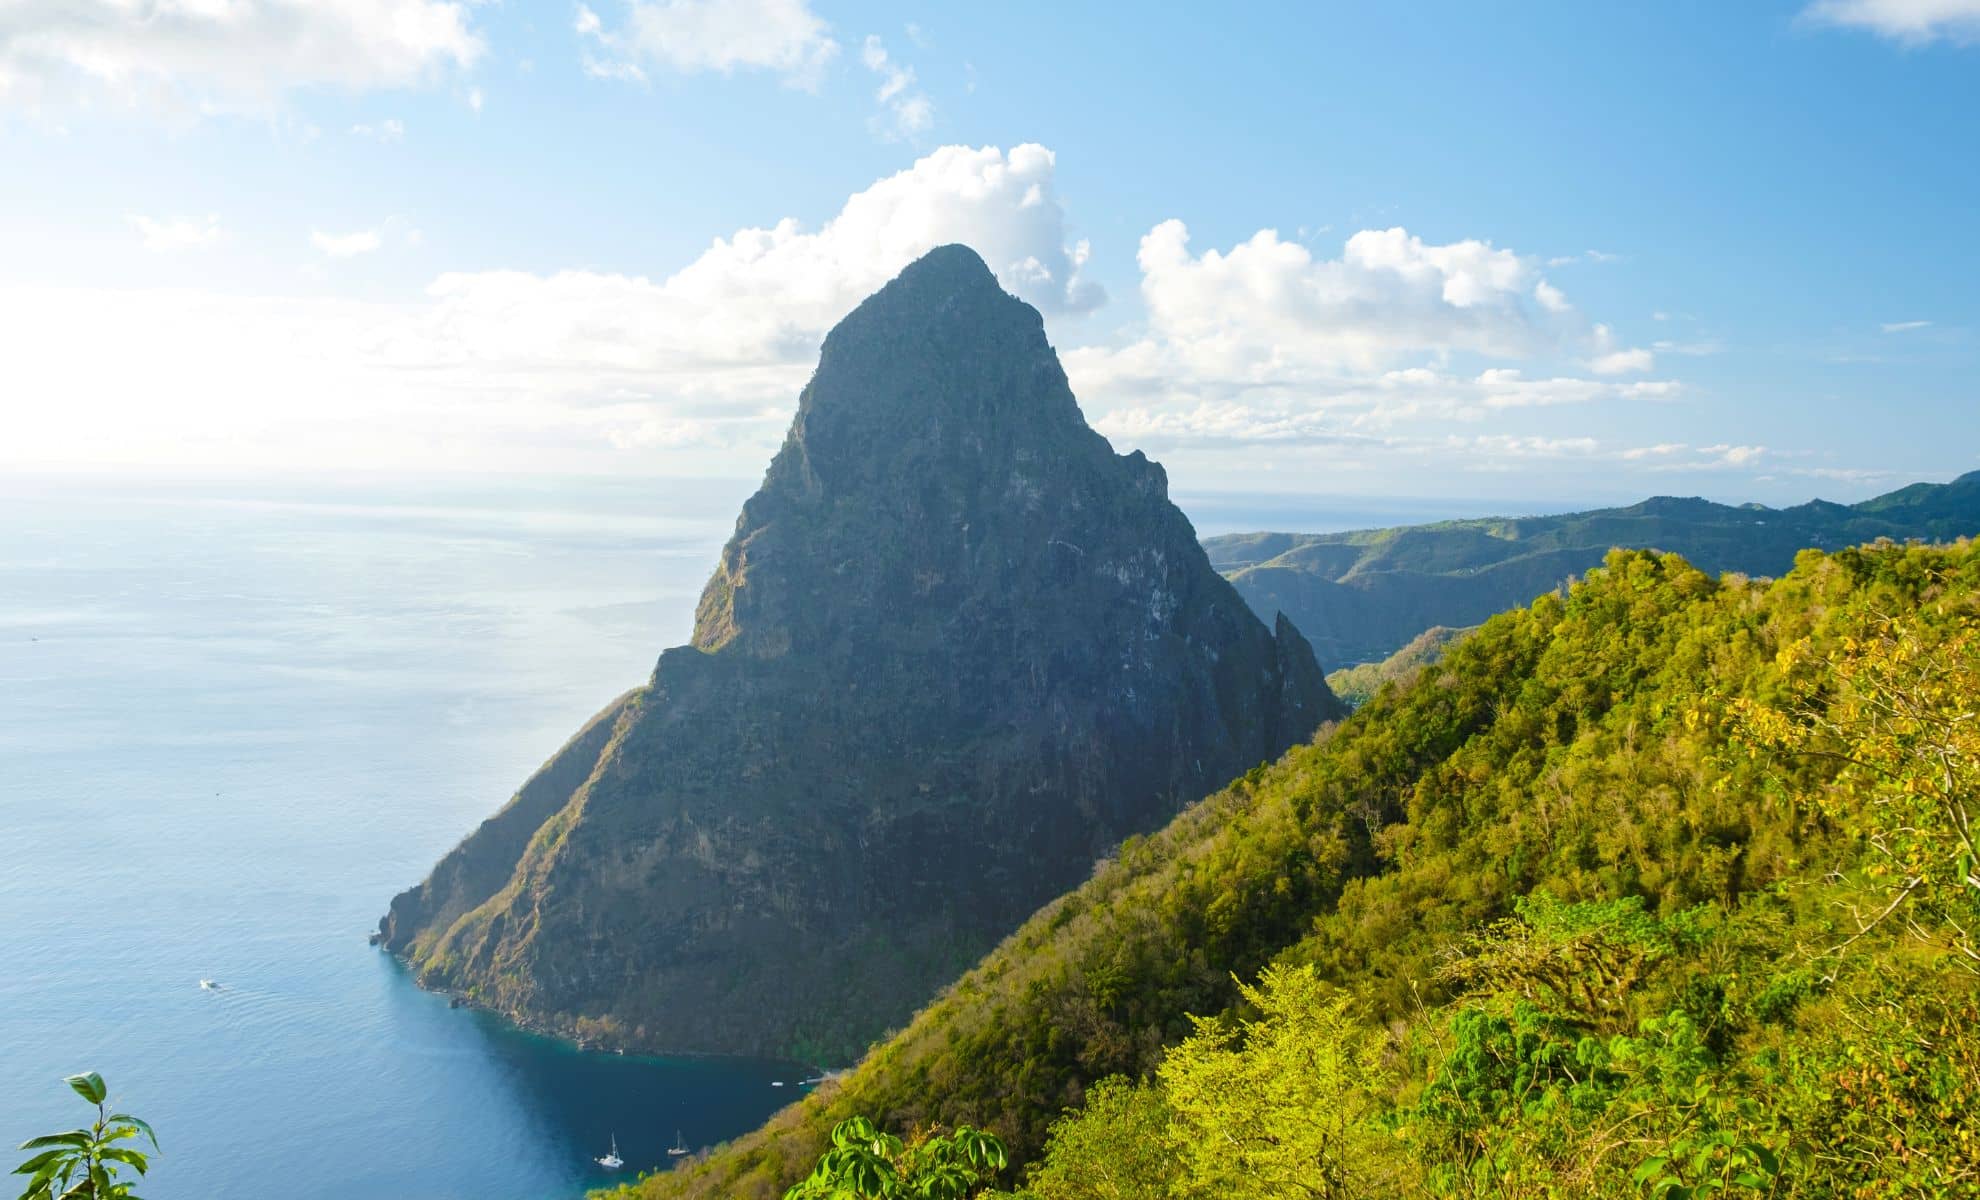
(1898, 709)
(866, 1163)
(1279, 1106)
(86, 1162)
(1114, 1147)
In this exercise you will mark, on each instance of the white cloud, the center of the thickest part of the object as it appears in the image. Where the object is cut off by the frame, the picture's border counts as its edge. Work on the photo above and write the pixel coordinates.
(1904, 326)
(164, 236)
(389, 130)
(1622, 362)
(346, 245)
(1660, 450)
(1610, 359)
(688, 36)
(1592, 256)
(393, 231)
(538, 371)
(1271, 325)
(1912, 22)
(1732, 456)
(908, 111)
(1270, 308)
(1375, 412)
(1364, 361)
(207, 55)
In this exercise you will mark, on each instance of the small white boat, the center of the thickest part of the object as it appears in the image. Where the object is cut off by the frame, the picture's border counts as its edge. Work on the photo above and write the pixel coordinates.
(679, 1147)
(776, 1083)
(612, 1161)
(207, 985)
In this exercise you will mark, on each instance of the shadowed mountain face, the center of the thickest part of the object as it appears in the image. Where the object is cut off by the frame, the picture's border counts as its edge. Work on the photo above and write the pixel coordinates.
(956, 650)
(1362, 596)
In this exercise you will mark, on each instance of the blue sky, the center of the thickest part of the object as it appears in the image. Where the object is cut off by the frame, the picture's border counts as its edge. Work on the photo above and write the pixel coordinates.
(1530, 251)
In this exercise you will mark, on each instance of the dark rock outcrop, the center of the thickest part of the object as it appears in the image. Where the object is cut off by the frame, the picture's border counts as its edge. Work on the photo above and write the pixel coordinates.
(956, 650)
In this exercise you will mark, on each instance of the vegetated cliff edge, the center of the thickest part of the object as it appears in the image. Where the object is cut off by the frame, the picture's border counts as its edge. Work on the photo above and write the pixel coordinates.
(956, 650)
(1362, 595)
(1586, 745)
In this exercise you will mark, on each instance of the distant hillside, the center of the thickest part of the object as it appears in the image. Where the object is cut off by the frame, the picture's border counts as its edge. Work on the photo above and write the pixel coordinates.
(1356, 686)
(1363, 595)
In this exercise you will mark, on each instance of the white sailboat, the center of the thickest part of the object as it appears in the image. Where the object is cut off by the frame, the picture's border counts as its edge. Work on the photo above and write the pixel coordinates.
(679, 1147)
(612, 1161)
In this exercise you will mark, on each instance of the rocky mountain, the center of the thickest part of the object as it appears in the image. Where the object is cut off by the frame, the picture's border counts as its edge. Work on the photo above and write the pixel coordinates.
(956, 650)
(1362, 596)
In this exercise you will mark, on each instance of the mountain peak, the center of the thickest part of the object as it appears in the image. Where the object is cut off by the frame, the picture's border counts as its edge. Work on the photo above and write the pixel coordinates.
(955, 651)
(953, 265)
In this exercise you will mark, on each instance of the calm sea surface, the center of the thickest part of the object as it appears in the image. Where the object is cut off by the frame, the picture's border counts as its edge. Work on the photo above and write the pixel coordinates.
(235, 719)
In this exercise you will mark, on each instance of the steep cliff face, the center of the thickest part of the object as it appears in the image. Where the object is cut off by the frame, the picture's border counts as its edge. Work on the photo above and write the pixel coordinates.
(955, 651)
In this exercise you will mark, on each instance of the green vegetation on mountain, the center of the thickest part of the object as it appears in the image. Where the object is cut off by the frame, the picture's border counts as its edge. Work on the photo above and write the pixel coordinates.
(955, 651)
(1356, 686)
(1664, 886)
(867, 1163)
(1360, 596)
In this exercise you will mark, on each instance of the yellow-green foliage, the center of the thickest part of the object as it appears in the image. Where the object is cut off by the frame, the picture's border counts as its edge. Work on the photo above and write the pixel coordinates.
(1586, 908)
(1280, 1105)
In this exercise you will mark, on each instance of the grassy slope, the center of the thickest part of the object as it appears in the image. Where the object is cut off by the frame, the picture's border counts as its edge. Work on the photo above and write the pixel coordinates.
(1570, 745)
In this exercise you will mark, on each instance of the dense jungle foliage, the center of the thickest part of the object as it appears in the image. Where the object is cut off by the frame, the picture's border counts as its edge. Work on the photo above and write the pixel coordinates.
(1666, 887)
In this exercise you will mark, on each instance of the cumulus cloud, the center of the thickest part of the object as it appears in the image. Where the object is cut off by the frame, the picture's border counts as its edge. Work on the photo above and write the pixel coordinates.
(1912, 22)
(1366, 358)
(690, 36)
(705, 361)
(907, 110)
(168, 235)
(1268, 307)
(1268, 322)
(202, 56)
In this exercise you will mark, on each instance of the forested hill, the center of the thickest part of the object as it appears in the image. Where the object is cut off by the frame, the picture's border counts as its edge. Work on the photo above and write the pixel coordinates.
(1361, 596)
(1659, 887)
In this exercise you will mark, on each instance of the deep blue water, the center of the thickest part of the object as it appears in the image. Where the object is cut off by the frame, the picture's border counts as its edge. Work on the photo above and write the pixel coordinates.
(235, 719)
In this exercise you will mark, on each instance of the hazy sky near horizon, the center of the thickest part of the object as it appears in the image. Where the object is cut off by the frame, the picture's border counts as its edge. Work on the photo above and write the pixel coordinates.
(1587, 251)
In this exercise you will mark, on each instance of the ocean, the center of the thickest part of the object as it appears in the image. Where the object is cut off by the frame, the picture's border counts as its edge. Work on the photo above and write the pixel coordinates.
(236, 717)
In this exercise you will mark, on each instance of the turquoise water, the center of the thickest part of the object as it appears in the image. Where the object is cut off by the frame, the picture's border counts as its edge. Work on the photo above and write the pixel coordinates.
(235, 719)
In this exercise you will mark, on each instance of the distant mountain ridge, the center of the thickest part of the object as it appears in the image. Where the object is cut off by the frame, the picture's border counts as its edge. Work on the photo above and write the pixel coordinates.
(956, 650)
(1362, 595)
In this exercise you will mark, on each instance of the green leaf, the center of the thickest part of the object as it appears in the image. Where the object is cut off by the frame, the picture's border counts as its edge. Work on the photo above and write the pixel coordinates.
(128, 1119)
(130, 1157)
(78, 1138)
(89, 1086)
(40, 1160)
